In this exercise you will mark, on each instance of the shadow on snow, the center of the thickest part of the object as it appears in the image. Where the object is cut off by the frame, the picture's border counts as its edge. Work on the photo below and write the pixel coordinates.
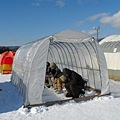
(10, 99)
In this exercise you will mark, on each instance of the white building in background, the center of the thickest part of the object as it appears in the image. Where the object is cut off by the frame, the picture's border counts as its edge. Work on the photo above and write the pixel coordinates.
(111, 49)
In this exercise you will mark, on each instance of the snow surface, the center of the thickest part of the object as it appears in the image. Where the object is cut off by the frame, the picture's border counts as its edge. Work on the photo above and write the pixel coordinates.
(102, 108)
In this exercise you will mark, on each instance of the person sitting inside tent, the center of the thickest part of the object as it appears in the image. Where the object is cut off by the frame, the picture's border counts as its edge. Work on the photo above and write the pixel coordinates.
(48, 81)
(59, 82)
(74, 83)
(52, 74)
(54, 71)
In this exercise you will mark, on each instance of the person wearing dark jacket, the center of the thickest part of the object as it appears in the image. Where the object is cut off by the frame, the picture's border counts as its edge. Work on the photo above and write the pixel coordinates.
(48, 81)
(74, 83)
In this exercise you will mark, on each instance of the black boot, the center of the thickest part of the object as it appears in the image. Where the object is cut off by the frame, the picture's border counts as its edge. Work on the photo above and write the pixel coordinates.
(69, 95)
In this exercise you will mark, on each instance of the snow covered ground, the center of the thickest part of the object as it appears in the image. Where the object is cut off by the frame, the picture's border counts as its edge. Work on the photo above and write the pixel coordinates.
(103, 108)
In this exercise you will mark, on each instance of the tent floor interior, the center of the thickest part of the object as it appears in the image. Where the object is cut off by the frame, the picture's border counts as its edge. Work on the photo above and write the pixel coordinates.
(49, 94)
(51, 98)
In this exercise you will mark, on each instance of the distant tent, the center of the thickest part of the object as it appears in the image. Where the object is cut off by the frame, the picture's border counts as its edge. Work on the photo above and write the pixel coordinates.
(74, 50)
(6, 61)
(111, 49)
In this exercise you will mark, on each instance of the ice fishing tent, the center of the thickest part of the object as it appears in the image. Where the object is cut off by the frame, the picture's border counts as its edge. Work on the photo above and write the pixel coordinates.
(74, 50)
(6, 61)
(111, 49)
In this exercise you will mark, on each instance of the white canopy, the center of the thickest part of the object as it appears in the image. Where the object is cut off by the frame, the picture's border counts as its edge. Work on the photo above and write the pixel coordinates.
(71, 35)
(69, 49)
(111, 49)
(111, 38)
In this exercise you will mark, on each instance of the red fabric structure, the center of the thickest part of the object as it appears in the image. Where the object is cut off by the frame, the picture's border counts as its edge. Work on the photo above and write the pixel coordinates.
(6, 61)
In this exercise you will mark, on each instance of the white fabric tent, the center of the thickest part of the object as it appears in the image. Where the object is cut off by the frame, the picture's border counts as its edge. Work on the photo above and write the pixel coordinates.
(74, 50)
(111, 49)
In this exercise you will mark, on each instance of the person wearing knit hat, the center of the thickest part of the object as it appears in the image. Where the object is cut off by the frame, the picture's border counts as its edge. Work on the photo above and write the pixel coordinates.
(54, 71)
(53, 65)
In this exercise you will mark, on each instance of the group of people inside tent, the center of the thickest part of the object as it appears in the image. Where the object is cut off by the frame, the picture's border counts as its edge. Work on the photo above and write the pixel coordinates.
(68, 79)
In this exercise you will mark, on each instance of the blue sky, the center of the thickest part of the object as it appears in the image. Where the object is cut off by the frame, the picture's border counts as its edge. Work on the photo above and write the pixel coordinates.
(23, 21)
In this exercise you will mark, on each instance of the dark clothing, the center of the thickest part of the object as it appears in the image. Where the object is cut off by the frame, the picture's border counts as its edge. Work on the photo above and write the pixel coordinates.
(74, 83)
(48, 72)
(58, 71)
(59, 74)
(53, 72)
(48, 69)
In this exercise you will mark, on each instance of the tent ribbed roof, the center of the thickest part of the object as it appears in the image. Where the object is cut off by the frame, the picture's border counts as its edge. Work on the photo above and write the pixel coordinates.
(68, 36)
(71, 35)
(111, 38)
(111, 44)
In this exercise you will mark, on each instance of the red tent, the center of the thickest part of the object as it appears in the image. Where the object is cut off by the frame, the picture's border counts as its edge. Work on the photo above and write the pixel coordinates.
(6, 61)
